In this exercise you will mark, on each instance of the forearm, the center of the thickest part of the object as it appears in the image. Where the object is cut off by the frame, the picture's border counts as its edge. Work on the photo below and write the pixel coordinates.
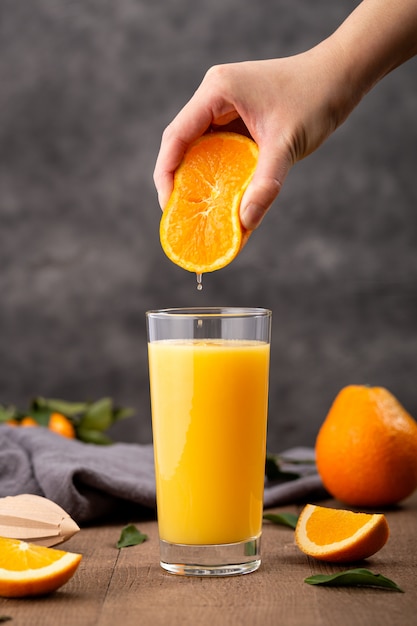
(377, 37)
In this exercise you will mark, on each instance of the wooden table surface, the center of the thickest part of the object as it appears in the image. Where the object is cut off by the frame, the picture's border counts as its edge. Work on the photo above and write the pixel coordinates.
(127, 587)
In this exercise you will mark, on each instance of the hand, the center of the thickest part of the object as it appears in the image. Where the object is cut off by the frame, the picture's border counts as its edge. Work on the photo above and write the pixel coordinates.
(288, 106)
(291, 105)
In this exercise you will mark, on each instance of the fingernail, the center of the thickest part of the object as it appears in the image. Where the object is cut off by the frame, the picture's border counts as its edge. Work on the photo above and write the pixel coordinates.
(162, 199)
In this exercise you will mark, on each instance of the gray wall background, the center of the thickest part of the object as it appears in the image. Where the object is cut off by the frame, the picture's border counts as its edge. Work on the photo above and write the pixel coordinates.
(86, 88)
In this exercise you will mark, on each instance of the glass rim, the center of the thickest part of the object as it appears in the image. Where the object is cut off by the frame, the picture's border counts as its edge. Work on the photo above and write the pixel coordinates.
(215, 311)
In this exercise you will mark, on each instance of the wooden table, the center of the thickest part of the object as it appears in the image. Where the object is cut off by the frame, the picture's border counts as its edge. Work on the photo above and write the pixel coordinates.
(127, 587)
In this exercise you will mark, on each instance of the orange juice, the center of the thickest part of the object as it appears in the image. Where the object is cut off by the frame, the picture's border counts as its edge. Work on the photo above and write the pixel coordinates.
(209, 414)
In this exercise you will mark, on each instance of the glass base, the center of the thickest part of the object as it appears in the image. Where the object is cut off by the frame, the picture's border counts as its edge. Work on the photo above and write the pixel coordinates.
(227, 559)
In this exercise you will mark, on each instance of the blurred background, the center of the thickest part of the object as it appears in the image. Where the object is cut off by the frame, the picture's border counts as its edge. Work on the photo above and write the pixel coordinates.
(87, 87)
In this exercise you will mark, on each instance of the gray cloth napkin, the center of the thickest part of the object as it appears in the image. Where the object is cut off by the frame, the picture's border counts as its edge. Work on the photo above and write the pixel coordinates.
(92, 482)
(302, 482)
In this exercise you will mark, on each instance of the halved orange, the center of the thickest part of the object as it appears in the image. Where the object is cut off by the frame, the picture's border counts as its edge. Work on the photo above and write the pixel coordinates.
(200, 228)
(27, 569)
(338, 535)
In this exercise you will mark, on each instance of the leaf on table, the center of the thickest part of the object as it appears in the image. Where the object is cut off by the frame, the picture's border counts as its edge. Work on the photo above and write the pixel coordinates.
(131, 536)
(282, 519)
(274, 471)
(354, 578)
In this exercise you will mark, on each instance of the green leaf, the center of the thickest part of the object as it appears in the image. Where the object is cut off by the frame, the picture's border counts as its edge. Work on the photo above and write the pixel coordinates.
(7, 413)
(273, 469)
(354, 578)
(40, 415)
(90, 419)
(282, 519)
(130, 536)
(99, 415)
(89, 435)
(120, 413)
(69, 409)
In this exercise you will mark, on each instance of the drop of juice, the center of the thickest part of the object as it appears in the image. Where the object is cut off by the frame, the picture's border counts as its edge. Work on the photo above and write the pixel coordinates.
(199, 282)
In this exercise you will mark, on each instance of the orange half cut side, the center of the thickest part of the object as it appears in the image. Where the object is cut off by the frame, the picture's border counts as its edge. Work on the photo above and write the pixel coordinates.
(200, 228)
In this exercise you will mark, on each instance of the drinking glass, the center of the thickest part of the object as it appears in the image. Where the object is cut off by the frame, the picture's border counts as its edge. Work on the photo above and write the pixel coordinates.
(209, 371)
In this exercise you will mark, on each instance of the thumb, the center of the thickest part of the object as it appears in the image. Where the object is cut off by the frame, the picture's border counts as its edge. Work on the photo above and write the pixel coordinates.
(264, 187)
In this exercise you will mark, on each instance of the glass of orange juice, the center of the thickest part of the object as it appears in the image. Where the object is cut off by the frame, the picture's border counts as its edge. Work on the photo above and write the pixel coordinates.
(209, 372)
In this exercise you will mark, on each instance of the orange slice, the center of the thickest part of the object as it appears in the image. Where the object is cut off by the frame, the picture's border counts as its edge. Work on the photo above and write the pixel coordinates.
(340, 536)
(27, 569)
(200, 228)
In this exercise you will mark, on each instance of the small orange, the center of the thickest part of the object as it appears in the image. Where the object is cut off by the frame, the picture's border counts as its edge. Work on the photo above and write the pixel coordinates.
(366, 448)
(340, 536)
(11, 422)
(27, 569)
(200, 228)
(61, 425)
(28, 422)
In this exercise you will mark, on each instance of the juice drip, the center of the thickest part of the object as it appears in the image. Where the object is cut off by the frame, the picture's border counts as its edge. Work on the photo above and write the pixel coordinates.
(199, 282)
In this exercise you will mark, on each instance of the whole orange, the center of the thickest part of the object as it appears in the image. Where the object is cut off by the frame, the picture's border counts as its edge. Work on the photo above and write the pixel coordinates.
(28, 422)
(366, 448)
(61, 425)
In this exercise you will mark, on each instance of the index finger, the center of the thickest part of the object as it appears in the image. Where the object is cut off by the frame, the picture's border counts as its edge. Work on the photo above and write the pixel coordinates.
(190, 123)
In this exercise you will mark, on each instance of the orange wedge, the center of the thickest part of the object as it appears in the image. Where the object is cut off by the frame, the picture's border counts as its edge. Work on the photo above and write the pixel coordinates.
(27, 569)
(340, 536)
(200, 228)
